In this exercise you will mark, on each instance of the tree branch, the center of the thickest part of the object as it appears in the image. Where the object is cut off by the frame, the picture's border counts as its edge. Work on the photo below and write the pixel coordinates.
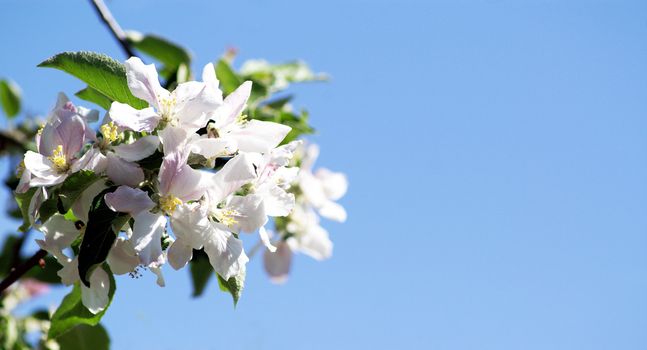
(115, 29)
(17, 272)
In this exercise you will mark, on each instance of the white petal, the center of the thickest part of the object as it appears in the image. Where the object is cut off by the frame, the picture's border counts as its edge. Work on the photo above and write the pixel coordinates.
(82, 205)
(277, 264)
(96, 298)
(158, 272)
(129, 118)
(194, 101)
(332, 211)
(225, 252)
(42, 169)
(233, 105)
(265, 239)
(174, 140)
(277, 201)
(191, 225)
(334, 184)
(143, 81)
(93, 160)
(122, 172)
(179, 254)
(316, 243)
(129, 200)
(137, 150)
(251, 212)
(236, 172)
(122, 257)
(59, 234)
(211, 148)
(147, 238)
(209, 78)
(69, 273)
(259, 136)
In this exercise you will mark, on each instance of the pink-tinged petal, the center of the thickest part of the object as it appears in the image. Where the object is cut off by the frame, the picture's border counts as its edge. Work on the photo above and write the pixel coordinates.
(265, 239)
(23, 183)
(180, 180)
(211, 148)
(93, 160)
(147, 238)
(277, 264)
(174, 140)
(122, 257)
(122, 172)
(194, 101)
(233, 105)
(179, 254)
(129, 118)
(237, 171)
(71, 132)
(129, 200)
(259, 136)
(143, 81)
(225, 252)
(81, 206)
(137, 150)
(95, 298)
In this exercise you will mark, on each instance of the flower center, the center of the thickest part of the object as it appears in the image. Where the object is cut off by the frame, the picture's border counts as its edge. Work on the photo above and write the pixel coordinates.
(167, 105)
(58, 159)
(110, 132)
(169, 203)
(227, 217)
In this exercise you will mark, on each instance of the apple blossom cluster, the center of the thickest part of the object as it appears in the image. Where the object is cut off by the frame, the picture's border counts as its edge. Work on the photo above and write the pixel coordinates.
(300, 231)
(188, 172)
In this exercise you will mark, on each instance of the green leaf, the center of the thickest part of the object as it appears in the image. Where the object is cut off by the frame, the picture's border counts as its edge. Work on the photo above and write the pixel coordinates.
(91, 95)
(279, 76)
(8, 254)
(71, 312)
(100, 233)
(171, 55)
(23, 200)
(84, 337)
(201, 271)
(74, 186)
(99, 71)
(48, 208)
(234, 285)
(229, 81)
(10, 97)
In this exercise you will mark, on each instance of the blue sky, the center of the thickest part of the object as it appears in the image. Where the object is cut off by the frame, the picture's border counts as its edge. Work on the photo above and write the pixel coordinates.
(496, 152)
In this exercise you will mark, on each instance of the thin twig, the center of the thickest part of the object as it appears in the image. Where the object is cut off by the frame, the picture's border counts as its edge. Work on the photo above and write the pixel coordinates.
(119, 34)
(17, 272)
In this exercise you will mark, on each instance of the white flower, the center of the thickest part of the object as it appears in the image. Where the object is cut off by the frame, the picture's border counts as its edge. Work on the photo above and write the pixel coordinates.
(322, 188)
(187, 106)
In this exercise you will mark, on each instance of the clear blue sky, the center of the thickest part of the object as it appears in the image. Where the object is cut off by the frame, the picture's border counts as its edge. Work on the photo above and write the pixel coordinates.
(497, 154)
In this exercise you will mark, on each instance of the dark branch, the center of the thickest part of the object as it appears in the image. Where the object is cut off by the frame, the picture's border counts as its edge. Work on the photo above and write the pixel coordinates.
(17, 272)
(115, 29)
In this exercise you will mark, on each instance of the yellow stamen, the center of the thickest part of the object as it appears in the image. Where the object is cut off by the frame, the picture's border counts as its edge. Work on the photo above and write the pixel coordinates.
(58, 158)
(169, 203)
(242, 119)
(40, 130)
(227, 217)
(110, 132)
(167, 105)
